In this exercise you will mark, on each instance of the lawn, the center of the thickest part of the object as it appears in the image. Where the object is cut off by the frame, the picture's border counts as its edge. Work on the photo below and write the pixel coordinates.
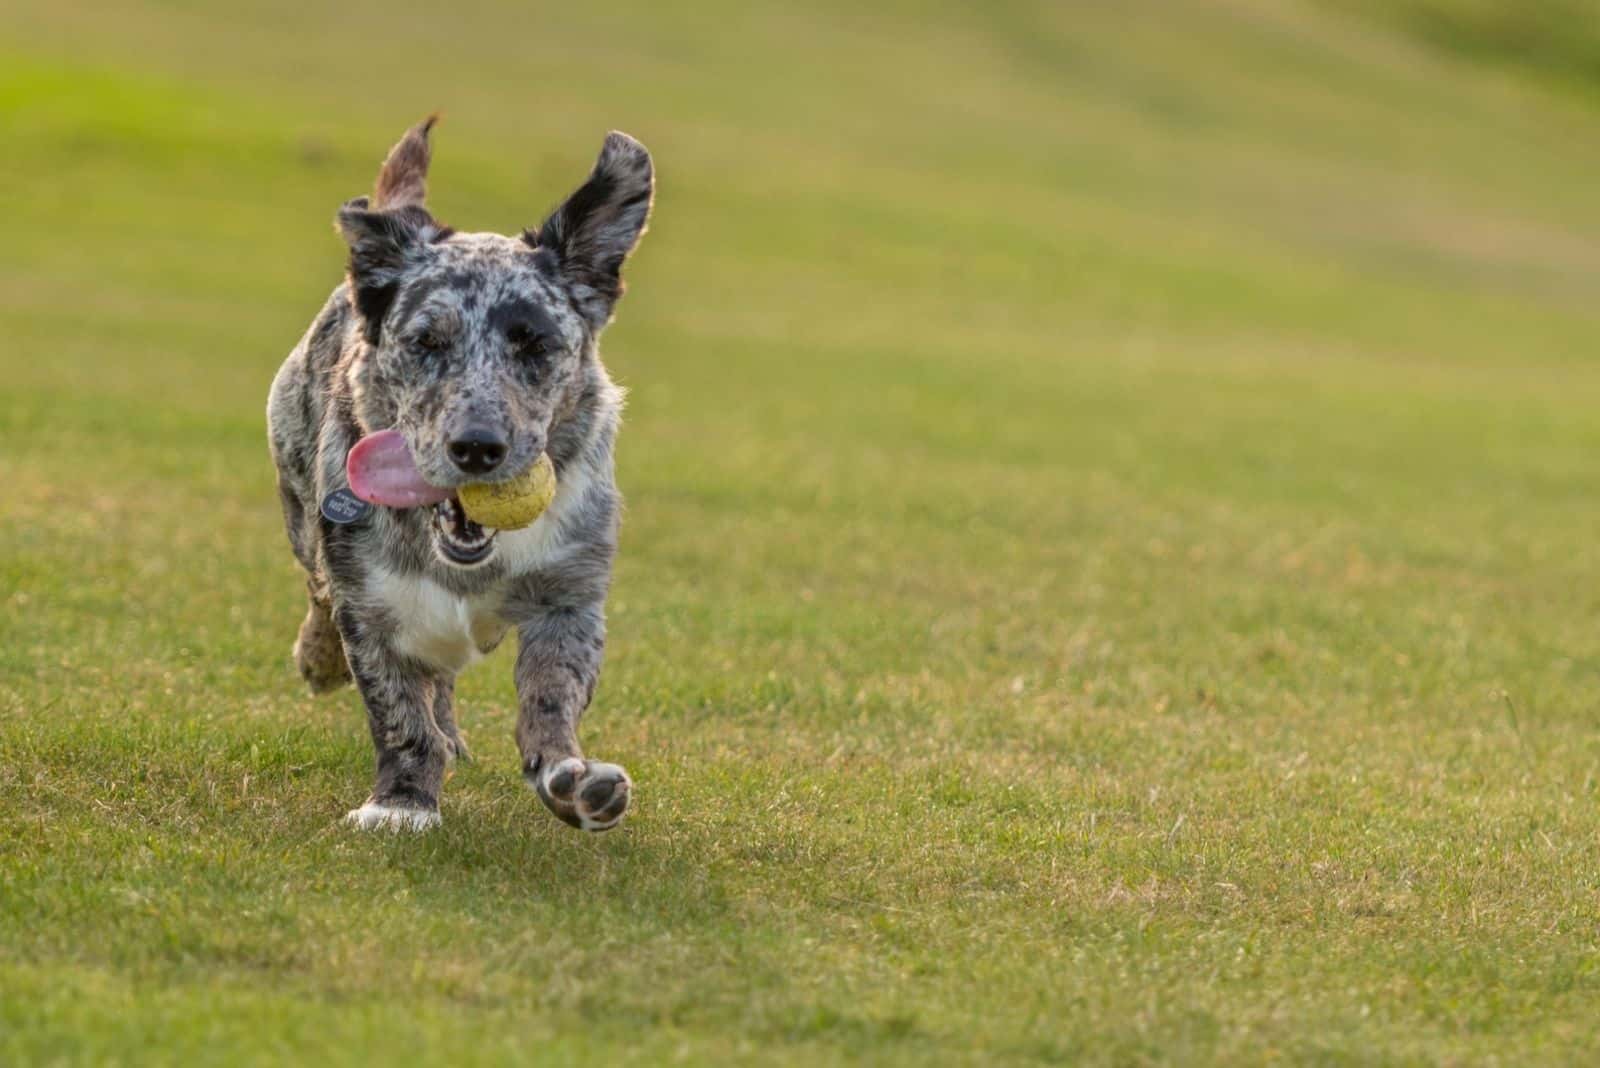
(1109, 574)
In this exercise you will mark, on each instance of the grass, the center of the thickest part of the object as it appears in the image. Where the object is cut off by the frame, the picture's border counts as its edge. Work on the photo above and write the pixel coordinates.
(1554, 39)
(1109, 574)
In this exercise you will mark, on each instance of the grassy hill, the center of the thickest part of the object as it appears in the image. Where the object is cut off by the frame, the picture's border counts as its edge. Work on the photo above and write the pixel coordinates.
(1109, 573)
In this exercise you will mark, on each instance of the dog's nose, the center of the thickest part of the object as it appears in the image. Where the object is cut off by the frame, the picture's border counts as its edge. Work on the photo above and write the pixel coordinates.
(478, 451)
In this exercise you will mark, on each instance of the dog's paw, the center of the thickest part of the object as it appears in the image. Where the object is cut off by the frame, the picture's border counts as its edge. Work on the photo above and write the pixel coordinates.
(455, 746)
(319, 654)
(588, 794)
(374, 816)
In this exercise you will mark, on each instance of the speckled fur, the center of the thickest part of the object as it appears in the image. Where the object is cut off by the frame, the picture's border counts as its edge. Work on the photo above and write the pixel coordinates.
(433, 330)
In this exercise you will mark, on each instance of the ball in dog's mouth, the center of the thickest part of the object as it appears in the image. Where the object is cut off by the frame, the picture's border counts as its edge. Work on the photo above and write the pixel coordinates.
(459, 539)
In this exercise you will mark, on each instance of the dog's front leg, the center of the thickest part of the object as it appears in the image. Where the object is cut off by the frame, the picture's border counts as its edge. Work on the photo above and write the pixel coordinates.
(558, 665)
(412, 751)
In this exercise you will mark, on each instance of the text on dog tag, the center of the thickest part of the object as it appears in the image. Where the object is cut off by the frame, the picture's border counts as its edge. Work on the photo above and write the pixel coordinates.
(343, 507)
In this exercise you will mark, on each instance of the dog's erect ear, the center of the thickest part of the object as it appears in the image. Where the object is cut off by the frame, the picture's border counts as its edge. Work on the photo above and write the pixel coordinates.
(593, 232)
(403, 181)
(383, 244)
(390, 230)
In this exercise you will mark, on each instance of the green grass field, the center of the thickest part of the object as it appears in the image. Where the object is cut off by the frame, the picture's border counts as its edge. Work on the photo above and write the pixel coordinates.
(1109, 576)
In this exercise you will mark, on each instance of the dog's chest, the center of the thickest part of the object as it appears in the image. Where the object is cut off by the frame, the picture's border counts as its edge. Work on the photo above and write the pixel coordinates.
(440, 628)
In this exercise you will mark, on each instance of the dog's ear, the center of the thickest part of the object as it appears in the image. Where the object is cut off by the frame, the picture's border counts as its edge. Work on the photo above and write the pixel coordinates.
(383, 244)
(593, 232)
(390, 230)
(403, 180)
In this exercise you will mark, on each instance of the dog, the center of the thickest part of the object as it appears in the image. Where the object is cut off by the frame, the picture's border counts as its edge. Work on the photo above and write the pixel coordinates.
(481, 351)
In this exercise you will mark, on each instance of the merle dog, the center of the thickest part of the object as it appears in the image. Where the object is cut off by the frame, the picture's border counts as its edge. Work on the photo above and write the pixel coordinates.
(480, 350)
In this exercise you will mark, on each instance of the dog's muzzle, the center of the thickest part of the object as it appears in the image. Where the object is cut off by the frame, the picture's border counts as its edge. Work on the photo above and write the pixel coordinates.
(458, 539)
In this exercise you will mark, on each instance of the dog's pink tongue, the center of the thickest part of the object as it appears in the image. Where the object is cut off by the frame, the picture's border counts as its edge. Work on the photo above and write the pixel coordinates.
(381, 471)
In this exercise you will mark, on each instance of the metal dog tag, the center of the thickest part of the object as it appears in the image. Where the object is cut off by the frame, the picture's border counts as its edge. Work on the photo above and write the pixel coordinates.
(343, 507)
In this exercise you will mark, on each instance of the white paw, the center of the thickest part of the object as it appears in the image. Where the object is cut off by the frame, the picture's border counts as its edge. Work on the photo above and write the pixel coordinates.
(375, 817)
(587, 794)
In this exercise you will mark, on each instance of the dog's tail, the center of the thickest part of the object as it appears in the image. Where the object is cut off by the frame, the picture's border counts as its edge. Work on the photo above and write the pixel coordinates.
(403, 181)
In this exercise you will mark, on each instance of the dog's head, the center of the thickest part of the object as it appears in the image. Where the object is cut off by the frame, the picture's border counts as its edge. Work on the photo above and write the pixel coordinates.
(477, 343)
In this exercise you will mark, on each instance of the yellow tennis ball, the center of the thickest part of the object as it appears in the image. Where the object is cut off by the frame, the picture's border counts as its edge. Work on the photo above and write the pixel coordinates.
(511, 505)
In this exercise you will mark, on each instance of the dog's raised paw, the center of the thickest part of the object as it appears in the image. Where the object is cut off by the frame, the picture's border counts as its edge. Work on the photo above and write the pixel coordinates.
(374, 816)
(319, 653)
(588, 794)
(455, 746)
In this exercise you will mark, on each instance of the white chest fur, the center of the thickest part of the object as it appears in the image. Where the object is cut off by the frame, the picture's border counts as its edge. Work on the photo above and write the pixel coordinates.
(436, 626)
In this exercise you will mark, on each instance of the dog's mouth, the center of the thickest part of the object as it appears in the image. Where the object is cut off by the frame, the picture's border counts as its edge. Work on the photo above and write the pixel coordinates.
(458, 539)
(382, 471)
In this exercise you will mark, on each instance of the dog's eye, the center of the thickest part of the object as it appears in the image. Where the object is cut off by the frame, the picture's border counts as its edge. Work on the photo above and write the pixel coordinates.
(432, 341)
(527, 341)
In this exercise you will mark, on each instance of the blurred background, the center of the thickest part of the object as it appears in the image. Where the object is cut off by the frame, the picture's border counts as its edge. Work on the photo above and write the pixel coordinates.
(1079, 432)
